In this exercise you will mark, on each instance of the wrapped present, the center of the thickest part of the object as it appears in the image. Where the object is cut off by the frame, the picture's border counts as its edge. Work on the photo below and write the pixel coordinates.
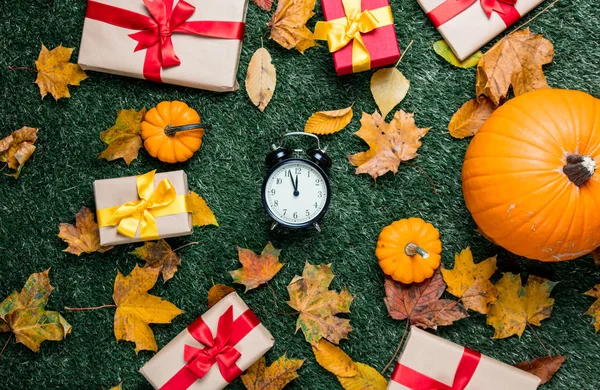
(467, 25)
(211, 352)
(144, 207)
(432, 363)
(195, 43)
(359, 33)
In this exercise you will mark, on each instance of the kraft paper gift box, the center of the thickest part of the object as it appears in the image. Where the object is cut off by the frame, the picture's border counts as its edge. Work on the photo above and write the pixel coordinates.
(171, 220)
(212, 351)
(430, 362)
(467, 25)
(194, 43)
(360, 34)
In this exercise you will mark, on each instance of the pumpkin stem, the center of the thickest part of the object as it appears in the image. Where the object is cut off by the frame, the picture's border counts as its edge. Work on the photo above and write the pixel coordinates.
(413, 249)
(170, 131)
(579, 169)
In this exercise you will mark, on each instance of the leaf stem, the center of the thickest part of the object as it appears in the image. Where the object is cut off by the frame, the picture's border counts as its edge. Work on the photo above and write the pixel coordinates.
(6, 343)
(536, 15)
(188, 244)
(273, 293)
(397, 349)
(22, 68)
(405, 50)
(538, 339)
(295, 313)
(424, 174)
(88, 308)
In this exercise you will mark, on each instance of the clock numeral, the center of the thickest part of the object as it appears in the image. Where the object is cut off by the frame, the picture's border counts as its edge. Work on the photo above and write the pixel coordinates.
(273, 191)
(295, 215)
(298, 171)
(279, 181)
(287, 173)
(316, 205)
(319, 194)
(284, 211)
(307, 213)
(308, 173)
(275, 203)
(317, 182)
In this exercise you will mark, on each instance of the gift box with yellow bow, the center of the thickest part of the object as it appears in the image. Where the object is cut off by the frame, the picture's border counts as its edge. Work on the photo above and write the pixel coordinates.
(144, 207)
(360, 34)
(212, 351)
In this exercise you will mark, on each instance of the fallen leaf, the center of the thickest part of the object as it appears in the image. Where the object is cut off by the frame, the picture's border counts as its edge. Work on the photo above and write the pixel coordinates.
(389, 143)
(596, 256)
(519, 306)
(84, 236)
(334, 360)
(594, 310)
(256, 270)
(389, 87)
(56, 73)
(16, 149)
(515, 60)
(544, 367)
(159, 255)
(264, 4)
(288, 24)
(470, 282)
(318, 306)
(328, 122)
(136, 309)
(24, 313)
(218, 292)
(368, 378)
(274, 377)
(444, 51)
(117, 387)
(123, 139)
(469, 118)
(261, 78)
(202, 215)
(421, 303)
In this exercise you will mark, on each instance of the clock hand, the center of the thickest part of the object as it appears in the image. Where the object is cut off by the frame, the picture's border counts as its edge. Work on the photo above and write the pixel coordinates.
(297, 193)
(294, 184)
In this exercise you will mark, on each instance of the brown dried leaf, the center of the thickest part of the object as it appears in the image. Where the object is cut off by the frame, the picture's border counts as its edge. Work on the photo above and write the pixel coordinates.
(264, 4)
(544, 367)
(218, 292)
(257, 270)
(84, 236)
(274, 377)
(123, 139)
(469, 118)
(596, 256)
(159, 255)
(288, 24)
(594, 310)
(16, 148)
(56, 73)
(261, 79)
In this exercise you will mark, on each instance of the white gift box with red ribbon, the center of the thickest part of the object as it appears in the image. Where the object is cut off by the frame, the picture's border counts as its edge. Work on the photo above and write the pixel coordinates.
(429, 362)
(212, 351)
(467, 25)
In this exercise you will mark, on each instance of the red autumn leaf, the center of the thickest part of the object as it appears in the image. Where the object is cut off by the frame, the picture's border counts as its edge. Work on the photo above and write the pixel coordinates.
(544, 367)
(264, 4)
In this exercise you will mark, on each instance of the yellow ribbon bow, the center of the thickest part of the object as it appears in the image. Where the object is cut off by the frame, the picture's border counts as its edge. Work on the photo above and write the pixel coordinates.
(141, 213)
(339, 32)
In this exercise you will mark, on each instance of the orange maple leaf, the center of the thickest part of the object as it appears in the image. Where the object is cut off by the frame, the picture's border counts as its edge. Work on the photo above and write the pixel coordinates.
(288, 24)
(55, 72)
(159, 255)
(84, 236)
(123, 138)
(257, 270)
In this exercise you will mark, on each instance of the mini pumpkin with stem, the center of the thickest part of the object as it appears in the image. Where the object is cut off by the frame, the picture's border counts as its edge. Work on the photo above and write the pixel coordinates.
(172, 131)
(409, 250)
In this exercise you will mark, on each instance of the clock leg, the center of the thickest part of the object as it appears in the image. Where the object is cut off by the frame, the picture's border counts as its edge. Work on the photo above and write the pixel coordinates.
(274, 225)
(316, 225)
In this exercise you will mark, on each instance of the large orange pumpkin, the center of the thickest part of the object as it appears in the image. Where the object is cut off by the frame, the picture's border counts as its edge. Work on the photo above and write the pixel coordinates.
(530, 178)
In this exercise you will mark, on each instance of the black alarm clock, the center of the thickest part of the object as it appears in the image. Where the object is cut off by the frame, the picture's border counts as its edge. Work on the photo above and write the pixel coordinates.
(296, 192)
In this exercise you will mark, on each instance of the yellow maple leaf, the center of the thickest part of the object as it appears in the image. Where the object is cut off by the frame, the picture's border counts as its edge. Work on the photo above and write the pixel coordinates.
(136, 309)
(159, 255)
(201, 214)
(218, 292)
(288, 24)
(518, 306)
(84, 236)
(334, 360)
(274, 377)
(471, 282)
(261, 79)
(389, 143)
(16, 148)
(594, 310)
(56, 73)
(257, 270)
(123, 138)
(328, 122)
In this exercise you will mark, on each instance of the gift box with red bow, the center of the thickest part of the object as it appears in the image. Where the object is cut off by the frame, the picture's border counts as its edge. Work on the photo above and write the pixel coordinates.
(212, 351)
(195, 43)
(429, 362)
(359, 33)
(467, 25)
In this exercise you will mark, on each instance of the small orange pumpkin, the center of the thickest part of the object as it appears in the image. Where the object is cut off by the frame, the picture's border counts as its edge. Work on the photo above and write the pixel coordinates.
(409, 250)
(172, 131)
(530, 179)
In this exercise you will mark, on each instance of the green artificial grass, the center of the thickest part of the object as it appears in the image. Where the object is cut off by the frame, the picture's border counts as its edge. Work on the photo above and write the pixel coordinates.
(228, 172)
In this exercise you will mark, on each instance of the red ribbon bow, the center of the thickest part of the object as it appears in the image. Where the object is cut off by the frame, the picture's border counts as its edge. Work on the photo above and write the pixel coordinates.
(451, 8)
(156, 29)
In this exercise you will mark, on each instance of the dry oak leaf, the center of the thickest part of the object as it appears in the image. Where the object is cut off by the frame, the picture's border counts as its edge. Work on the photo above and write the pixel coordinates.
(318, 306)
(544, 367)
(56, 73)
(469, 118)
(84, 236)
(389, 143)
(519, 306)
(470, 282)
(515, 60)
(16, 149)
(275, 377)
(288, 24)
(24, 313)
(443, 50)
(328, 122)
(136, 309)
(388, 87)
(420, 303)
(264, 4)
(218, 292)
(256, 270)
(202, 215)
(159, 255)
(123, 139)
(261, 78)
(594, 310)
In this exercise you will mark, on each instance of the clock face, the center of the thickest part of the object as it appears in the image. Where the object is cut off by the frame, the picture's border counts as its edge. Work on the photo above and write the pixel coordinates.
(296, 193)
